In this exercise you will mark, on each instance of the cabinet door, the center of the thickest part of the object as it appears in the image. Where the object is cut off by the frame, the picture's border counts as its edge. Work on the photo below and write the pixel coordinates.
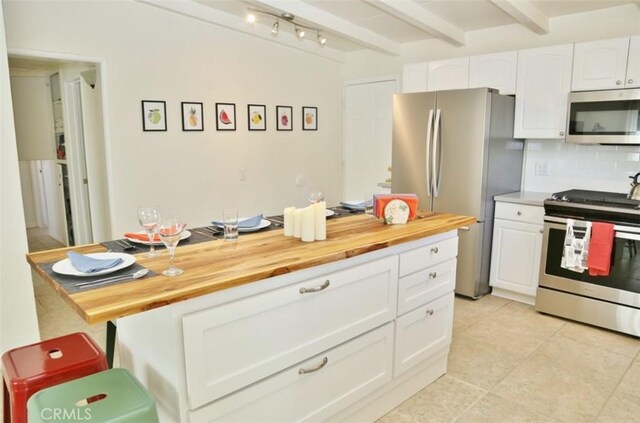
(236, 344)
(414, 77)
(344, 375)
(542, 89)
(515, 257)
(422, 332)
(496, 70)
(452, 74)
(600, 65)
(633, 63)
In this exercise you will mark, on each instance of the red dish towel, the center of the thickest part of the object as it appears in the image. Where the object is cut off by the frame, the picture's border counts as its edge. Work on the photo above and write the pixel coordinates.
(600, 246)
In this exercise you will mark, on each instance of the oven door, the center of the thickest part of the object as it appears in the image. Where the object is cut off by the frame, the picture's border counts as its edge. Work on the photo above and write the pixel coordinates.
(621, 286)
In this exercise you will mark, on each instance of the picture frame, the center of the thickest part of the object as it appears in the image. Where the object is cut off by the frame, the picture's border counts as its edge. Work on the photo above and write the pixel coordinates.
(257, 117)
(192, 116)
(154, 115)
(284, 118)
(225, 116)
(309, 118)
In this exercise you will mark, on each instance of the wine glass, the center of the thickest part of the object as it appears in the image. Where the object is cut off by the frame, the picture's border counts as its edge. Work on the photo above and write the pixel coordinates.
(315, 195)
(149, 218)
(170, 228)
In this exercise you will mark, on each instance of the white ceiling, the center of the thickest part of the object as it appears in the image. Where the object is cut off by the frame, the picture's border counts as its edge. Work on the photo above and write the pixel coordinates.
(381, 25)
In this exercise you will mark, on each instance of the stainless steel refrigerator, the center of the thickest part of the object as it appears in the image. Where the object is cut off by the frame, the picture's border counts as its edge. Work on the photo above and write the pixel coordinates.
(456, 150)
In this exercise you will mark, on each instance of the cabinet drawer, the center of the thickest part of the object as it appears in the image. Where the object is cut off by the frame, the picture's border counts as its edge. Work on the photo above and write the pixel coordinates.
(519, 212)
(233, 345)
(426, 285)
(424, 257)
(422, 332)
(352, 371)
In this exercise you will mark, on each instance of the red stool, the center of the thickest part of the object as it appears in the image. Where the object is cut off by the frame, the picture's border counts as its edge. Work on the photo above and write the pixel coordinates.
(27, 370)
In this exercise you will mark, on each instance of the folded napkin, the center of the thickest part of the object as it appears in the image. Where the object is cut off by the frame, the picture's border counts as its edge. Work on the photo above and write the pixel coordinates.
(142, 237)
(86, 264)
(599, 257)
(250, 222)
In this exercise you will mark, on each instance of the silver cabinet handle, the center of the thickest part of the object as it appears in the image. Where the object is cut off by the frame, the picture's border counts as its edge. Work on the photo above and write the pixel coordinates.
(562, 133)
(430, 311)
(519, 213)
(302, 371)
(618, 82)
(433, 275)
(630, 81)
(315, 288)
(464, 228)
(434, 250)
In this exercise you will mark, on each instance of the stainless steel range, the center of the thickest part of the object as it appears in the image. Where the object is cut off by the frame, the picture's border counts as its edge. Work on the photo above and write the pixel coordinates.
(611, 301)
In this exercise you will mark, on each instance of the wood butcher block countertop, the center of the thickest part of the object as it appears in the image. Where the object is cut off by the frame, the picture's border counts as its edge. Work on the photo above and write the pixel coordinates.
(217, 265)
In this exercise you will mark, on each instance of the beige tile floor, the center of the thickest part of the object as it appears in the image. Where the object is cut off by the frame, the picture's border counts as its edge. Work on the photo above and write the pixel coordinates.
(507, 363)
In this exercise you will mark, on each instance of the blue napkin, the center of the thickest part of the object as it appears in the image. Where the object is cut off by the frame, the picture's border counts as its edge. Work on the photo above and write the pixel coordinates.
(86, 264)
(250, 222)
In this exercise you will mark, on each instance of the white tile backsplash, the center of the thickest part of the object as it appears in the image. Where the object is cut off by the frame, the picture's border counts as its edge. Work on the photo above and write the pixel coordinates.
(593, 167)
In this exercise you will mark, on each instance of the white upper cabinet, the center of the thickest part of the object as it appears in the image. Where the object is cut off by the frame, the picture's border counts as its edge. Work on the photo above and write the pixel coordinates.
(414, 77)
(601, 65)
(542, 88)
(497, 70)
(451, 74)
(633, 63)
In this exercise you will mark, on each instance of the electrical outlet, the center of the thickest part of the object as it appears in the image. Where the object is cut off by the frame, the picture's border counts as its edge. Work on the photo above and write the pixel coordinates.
(542, 168)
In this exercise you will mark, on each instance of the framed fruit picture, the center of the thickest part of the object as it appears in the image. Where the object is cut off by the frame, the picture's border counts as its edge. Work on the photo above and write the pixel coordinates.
(309, 118)
(192, 116)
(154, 115)
(284, 118)
(225, 116)
(256, 114)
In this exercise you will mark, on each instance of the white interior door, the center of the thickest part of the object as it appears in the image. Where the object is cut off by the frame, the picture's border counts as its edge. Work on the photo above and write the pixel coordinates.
(368, 127)
(54, 195)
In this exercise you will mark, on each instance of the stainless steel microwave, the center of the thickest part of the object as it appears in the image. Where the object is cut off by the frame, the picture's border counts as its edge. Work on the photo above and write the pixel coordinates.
(604, 117)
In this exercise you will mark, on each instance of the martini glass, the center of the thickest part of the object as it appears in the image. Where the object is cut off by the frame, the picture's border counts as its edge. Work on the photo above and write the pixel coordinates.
(170, 228)
(149, 218)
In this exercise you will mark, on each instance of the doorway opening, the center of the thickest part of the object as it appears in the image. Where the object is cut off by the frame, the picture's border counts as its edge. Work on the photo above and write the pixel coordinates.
(59, 127)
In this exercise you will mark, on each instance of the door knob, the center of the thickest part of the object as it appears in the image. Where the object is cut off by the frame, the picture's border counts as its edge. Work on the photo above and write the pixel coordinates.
(618, 82)
(562, 133)
(630, 81)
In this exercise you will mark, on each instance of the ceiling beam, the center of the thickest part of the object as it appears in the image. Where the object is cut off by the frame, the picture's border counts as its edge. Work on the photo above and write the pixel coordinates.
(416, 15)
(207, 14)
(335, 25)
(525, 13)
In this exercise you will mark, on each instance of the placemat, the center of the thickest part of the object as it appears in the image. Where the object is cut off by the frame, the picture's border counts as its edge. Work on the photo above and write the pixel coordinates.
(198, 235)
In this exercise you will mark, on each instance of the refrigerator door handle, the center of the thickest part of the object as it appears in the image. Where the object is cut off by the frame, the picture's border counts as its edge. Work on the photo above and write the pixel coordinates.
(436, 157)
(428, 155)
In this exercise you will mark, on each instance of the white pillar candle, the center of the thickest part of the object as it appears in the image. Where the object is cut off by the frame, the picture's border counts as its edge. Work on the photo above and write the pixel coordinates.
(297, 223)
(320, 218)
(308, 231)
(289, 221)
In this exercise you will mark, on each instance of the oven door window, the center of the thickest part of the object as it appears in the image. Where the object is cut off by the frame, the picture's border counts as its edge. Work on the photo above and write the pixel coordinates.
(625, 267)
(620, 117)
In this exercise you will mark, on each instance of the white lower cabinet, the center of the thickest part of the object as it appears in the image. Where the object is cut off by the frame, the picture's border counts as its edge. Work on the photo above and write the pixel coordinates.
(344, 341)
(422, 333)
(314, 389)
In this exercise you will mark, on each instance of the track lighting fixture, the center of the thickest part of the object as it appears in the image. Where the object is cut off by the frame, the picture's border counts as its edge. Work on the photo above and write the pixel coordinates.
(299, 29)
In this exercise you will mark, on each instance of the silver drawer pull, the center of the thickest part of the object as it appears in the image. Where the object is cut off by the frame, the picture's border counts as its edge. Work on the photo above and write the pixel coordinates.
(430, 312)
(464, 228)
(316, 288)
(434, 250)
(433, 275)
(302, 371)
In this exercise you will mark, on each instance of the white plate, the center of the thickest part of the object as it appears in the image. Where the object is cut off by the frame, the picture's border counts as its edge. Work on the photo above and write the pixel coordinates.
(64, 267)
(329, 213)
(353, 205)
(263, 224)
(183, 235)
(396, 212)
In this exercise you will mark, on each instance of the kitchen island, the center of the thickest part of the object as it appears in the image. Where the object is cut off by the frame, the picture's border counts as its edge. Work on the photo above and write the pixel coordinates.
(274, 329)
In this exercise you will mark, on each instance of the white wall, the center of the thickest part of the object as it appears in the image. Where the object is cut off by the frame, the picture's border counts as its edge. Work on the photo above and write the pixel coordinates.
(152, 54)
(18, 322)
(28, 197)
(33, 116)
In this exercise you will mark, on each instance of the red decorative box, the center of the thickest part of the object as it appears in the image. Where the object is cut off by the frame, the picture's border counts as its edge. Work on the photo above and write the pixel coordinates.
(381, 200)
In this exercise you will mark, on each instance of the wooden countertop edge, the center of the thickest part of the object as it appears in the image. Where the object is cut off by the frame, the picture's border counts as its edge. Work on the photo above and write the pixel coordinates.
(146, 294)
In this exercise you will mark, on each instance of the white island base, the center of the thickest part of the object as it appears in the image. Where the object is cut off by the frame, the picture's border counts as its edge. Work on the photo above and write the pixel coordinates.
(344, 341)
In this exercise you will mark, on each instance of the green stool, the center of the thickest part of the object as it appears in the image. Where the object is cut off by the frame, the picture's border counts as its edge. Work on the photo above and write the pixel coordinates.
(109, 396)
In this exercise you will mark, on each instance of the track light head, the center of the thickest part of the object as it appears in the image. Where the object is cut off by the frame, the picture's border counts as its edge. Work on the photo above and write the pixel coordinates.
(300, 33)
(321, 39)
(275, 28)
(251, 18)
